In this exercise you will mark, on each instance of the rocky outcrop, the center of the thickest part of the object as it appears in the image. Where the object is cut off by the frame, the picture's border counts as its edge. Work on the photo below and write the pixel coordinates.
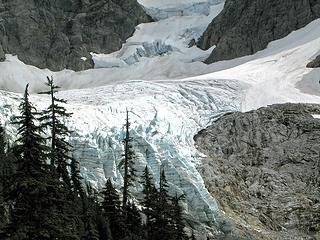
(247, 26)
(315, 63)
(263, 168)
(61, 33)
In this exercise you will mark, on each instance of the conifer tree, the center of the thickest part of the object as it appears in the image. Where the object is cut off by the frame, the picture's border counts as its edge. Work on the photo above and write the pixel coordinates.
(163, 208)
(177, 219)
(127, 164)
(59, 154)
(28, 216)
(149, 201)
(134, 222)
(112, 210)
(53, 118)
(90, 211)
(35, 193)
(76, 178)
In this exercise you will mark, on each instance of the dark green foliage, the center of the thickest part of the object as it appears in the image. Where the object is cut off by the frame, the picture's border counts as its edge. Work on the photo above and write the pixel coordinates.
(112, 210)
(163, 227)
(35, 194)
(127, 164)
(52, 118)
(134, 222)
(90, 211)
(177, 219)
(42, 198)
(149, 202)
(76, 179)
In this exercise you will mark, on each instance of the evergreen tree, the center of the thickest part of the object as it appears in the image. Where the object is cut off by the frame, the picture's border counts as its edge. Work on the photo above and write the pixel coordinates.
(112, 210)
(163, 208)
(36, 195)
(149, 202)
(177, 219)
(90, 211)
(127, 164)
(53, 118)
(134, 222)
(76, 178)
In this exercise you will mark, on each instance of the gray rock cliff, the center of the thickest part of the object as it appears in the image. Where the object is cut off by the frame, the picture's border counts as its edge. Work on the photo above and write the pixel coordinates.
(263, 167)
(58, 34)
(247, 26)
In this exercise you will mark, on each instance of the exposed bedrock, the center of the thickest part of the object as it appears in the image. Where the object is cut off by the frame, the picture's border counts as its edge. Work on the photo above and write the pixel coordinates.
(313, 64)
(61, 33)
(263, 168)
(247, 26)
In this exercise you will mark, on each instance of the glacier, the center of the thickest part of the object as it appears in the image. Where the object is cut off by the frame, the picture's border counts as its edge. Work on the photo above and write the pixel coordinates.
(164, 118)
(160, 10)
(170, 93)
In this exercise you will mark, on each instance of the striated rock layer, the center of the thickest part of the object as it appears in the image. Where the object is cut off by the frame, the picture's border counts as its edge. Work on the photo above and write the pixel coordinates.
(247, 26)
(263, 168)
(61, 34)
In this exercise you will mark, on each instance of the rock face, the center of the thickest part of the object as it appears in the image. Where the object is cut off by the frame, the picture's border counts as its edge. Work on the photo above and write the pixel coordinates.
(247, 26)
(313, 64)
(61, 33)
(263, 168)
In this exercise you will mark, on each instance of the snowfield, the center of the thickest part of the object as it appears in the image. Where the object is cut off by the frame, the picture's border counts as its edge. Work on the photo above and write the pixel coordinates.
(170, 93)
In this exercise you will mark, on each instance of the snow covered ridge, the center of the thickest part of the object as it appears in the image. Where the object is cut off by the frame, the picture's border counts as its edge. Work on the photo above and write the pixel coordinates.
(164, 118)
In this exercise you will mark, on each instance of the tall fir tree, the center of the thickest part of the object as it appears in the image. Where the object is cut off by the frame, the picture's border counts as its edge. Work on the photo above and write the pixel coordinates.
(52, 118)
(37, 195)
(90, 211)
(127, 164)
(163, 208)
(112, 210)
(76, 178)
(134, 222)
(177, 218)
(33, 191)
(149, 202)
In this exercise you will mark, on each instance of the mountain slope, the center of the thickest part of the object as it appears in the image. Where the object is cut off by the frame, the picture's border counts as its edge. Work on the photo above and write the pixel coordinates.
(61, 34)
(246, 26)
(263, 168)
(171, 95)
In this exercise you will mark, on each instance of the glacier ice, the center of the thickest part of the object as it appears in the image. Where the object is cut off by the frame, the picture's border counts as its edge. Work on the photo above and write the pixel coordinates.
(160, 10)
(164, 118)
